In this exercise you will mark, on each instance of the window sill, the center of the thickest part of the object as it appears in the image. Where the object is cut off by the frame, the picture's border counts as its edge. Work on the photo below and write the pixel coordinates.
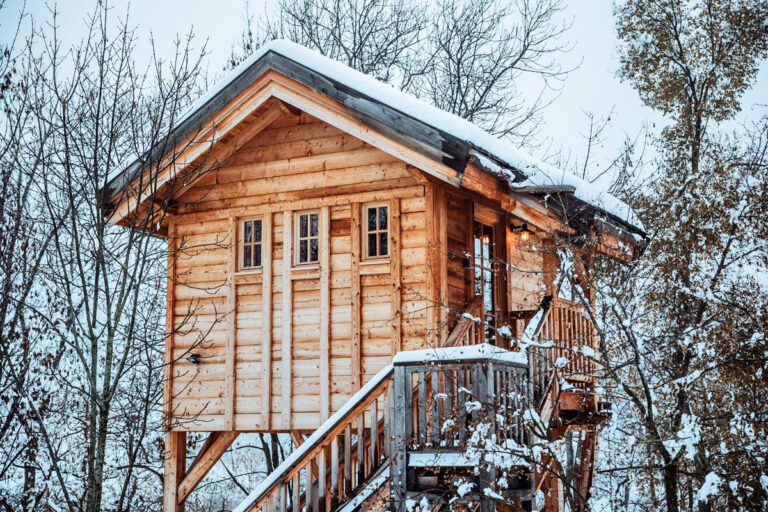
(249, 272)
(375, 261)
(305, 272)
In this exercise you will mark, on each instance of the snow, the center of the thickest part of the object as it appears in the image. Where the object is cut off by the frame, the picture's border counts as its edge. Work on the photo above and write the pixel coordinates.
(494, 151)
(470, 317)
(421, 506)
(443, 459)
(687, 438)
(542, 174)
(709, 488)
(529, 335)
(483, 351)
(463, 487)
(316, 436)
(490, 493)
(472, 406)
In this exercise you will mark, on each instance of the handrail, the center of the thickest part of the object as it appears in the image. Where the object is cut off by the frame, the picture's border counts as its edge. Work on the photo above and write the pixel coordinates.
(275, 486)
(573, 337)
(565, 337)
(466, 328)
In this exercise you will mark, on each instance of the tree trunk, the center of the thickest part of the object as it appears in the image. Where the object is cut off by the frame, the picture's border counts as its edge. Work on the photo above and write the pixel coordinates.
(670, 487)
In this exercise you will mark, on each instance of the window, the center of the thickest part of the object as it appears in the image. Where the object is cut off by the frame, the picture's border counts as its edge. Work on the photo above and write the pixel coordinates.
(376, 231)
(307, 229)
(250, 244)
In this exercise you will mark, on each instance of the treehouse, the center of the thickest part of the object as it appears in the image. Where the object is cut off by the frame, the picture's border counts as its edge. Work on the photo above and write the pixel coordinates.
(356, 268)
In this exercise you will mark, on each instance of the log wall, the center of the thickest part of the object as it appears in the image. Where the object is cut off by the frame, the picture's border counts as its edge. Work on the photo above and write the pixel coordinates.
(284, 346)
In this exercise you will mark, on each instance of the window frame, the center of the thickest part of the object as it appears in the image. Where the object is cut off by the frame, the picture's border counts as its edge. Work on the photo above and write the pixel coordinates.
(366, 231)
(297, 238)
(241, 243)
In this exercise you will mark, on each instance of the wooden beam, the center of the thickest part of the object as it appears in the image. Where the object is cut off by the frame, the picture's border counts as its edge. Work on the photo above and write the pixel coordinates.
(442, 227)
(214, 447)
(583, 262)
(266, 322)
(297, 438)
(170, 301)
(551, 268)
(356, 299)
(483, 183)
(287, 327)
(586, 468)
(247, 206)
(433, 268)
(395, 270)
(325, 312)
(174, 464)
(529, 210)
(231, 344)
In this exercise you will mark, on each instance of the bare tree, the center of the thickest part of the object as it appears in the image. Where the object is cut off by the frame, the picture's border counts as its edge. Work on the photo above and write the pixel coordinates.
(82, 343)
(380, 38)
(478, 53)
(464, 56)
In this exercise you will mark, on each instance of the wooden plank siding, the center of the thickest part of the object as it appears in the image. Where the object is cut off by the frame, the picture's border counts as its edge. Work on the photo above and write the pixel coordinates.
(285, 346)
(526, 279)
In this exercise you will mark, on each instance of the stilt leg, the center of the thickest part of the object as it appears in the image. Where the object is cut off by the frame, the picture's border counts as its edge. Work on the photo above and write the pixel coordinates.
(175, 465)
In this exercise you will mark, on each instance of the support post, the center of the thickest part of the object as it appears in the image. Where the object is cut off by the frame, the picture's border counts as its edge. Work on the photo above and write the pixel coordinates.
(175, 465)
(398, 461)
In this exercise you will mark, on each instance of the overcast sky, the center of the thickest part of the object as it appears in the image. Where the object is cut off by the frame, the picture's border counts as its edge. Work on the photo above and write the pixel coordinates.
(592, 87)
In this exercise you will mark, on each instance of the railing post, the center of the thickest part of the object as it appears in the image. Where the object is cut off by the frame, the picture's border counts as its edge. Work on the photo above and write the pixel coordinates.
(481, 386)
(398, 463)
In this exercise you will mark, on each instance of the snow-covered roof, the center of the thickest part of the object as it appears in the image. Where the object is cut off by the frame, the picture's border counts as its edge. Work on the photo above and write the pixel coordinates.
(455, 137)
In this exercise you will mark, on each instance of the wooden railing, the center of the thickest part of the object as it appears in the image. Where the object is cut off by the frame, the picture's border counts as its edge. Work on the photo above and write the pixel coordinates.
(419, 405)
(439, 411)
(568, 343)
(338, 459)
(440, 400)
(427, 403)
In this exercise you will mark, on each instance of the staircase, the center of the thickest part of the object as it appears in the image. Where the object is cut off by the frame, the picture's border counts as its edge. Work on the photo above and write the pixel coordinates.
(451, 423)
(339, 461)
(426, 419)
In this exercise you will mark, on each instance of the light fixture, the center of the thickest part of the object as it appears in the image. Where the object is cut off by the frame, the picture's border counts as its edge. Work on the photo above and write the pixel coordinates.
(525, 233)
(486, 239)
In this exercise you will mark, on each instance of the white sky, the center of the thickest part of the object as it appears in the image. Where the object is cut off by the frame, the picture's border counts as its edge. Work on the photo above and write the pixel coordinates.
(592, 87)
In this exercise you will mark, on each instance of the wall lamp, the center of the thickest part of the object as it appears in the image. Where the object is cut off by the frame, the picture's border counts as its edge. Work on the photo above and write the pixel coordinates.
(525, 233)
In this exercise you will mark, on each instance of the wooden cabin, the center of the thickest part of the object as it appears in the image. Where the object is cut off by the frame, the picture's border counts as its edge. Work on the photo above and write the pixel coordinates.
(320, 223)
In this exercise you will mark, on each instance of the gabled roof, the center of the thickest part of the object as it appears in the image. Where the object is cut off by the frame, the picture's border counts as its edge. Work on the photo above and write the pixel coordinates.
(437, 134)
